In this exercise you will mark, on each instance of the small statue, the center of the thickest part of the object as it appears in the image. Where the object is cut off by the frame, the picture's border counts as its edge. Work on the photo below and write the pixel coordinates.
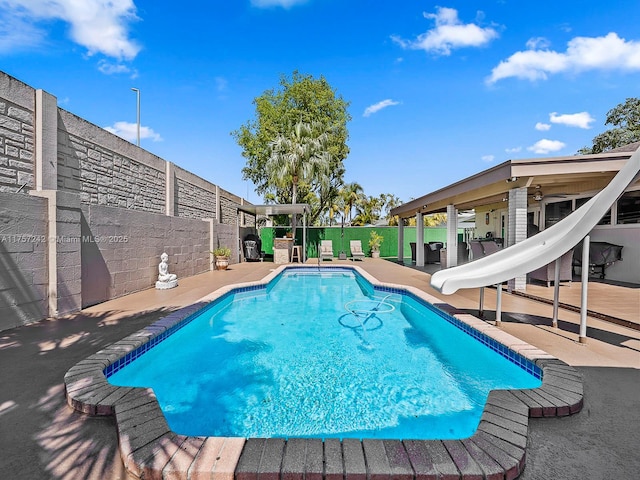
(165, 279)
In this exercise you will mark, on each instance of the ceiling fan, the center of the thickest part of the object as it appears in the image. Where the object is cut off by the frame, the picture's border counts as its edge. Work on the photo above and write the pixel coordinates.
(538, 196)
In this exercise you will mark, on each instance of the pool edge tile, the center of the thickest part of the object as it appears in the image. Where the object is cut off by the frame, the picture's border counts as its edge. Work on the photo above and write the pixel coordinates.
(158, 451)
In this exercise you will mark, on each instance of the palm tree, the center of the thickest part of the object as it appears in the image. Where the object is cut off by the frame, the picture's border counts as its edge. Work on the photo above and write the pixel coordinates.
(301, 155)
(352, 194)
(368, 211)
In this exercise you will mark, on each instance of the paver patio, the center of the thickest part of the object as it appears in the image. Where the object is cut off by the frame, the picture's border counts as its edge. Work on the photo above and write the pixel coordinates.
(41, 437)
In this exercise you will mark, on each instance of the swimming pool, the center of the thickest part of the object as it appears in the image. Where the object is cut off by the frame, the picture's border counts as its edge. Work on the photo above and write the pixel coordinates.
(320, 352)
(150, 449)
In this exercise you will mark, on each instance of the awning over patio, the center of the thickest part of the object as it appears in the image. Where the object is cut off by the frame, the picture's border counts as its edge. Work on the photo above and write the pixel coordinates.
(276, 209)
(282, 209)
(549, 176)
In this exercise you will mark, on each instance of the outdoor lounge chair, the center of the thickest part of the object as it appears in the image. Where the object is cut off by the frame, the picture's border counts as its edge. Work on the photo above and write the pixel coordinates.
(548, 272)
(326, 249)
(356, 250)
(476, 249)
(490, 247)
(431, 251)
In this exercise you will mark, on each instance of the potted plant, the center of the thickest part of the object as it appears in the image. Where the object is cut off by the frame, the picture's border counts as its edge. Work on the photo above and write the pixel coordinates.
(222, 255)
(374, 244)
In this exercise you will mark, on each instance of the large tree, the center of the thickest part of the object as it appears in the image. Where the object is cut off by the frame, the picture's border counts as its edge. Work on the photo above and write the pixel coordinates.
(297, 157)
(625, 119)
(305, 99)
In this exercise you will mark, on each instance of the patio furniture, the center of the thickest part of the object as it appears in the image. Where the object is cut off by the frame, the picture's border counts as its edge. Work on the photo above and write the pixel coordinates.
(490, 247)
(601, 255)
(476, 249)
(296, 253)
(356, 250)
(431, 251)
(547, 273)
(463, 253)
(326, 250)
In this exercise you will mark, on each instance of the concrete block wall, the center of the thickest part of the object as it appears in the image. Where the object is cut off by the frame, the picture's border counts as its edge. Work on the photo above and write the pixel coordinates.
(68, 251)
(107, 170)
(194, 197)
(17, 105)
(122, 248)
(86, 184)
(23, 259)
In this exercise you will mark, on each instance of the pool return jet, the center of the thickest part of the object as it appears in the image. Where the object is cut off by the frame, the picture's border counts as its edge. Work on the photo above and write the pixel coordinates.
(541, 249)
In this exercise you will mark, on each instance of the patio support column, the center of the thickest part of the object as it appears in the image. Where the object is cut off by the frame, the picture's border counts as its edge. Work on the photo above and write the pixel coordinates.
(517, 229)
(419, 240)
(556, 293)
(400, 240)
(499, 305)
(452, 236)
(582, 338)
(304, 235)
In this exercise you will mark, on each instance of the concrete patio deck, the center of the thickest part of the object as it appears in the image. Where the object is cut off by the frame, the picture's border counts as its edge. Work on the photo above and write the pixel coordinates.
(41, 437)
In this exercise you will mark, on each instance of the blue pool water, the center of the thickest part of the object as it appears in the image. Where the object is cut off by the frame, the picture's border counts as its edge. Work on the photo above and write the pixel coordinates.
(290, 360)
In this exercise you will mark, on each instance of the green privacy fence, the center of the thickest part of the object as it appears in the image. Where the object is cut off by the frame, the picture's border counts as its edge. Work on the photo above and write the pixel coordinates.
(341, 238)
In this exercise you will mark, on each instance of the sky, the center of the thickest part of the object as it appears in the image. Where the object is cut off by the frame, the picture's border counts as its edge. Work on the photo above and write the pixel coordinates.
(437, 91)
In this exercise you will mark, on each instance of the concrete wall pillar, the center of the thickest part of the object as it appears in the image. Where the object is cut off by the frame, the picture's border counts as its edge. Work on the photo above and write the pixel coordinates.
(64, 251)
(218, 207)
(46, 141)
(452, 236)
(212, 245)
(170, 190)
(517, 229)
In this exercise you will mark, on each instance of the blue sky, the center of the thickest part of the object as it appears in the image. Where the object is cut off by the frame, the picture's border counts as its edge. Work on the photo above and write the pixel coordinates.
(438, 91)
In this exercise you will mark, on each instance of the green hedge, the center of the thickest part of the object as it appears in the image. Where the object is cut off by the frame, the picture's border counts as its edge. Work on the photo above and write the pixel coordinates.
(341, 238)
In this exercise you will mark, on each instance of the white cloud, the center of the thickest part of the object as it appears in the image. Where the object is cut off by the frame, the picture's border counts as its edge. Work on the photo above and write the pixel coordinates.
(513, 150)
(109, 68)
(545, 146)
(449, 33)
(488, 158)
(583, 53)
(99, 26)
(543, 127)
(276, 3)
(537, 43)
(221, 84)
(129, 131)
(379, 106)
(17, 33)
(580, 120)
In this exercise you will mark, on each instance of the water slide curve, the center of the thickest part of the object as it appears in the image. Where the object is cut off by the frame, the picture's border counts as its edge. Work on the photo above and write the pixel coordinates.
(543, 248)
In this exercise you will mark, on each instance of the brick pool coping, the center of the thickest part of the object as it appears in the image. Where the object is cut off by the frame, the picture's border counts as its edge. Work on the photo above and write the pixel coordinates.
(149, 449)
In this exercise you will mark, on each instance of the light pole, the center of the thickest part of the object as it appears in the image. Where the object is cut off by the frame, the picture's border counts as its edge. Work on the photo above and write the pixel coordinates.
(138, 112)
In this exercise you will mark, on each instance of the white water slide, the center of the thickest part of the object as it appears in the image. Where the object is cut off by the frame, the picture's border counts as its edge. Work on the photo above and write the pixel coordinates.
(543, 248)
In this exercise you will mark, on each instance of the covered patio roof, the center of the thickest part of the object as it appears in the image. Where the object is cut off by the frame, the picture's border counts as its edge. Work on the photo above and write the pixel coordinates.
(276, 209)
(570, 175)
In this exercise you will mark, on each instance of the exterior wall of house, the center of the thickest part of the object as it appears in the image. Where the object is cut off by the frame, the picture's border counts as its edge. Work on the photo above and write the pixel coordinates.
(85, 215)
(627, 270)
